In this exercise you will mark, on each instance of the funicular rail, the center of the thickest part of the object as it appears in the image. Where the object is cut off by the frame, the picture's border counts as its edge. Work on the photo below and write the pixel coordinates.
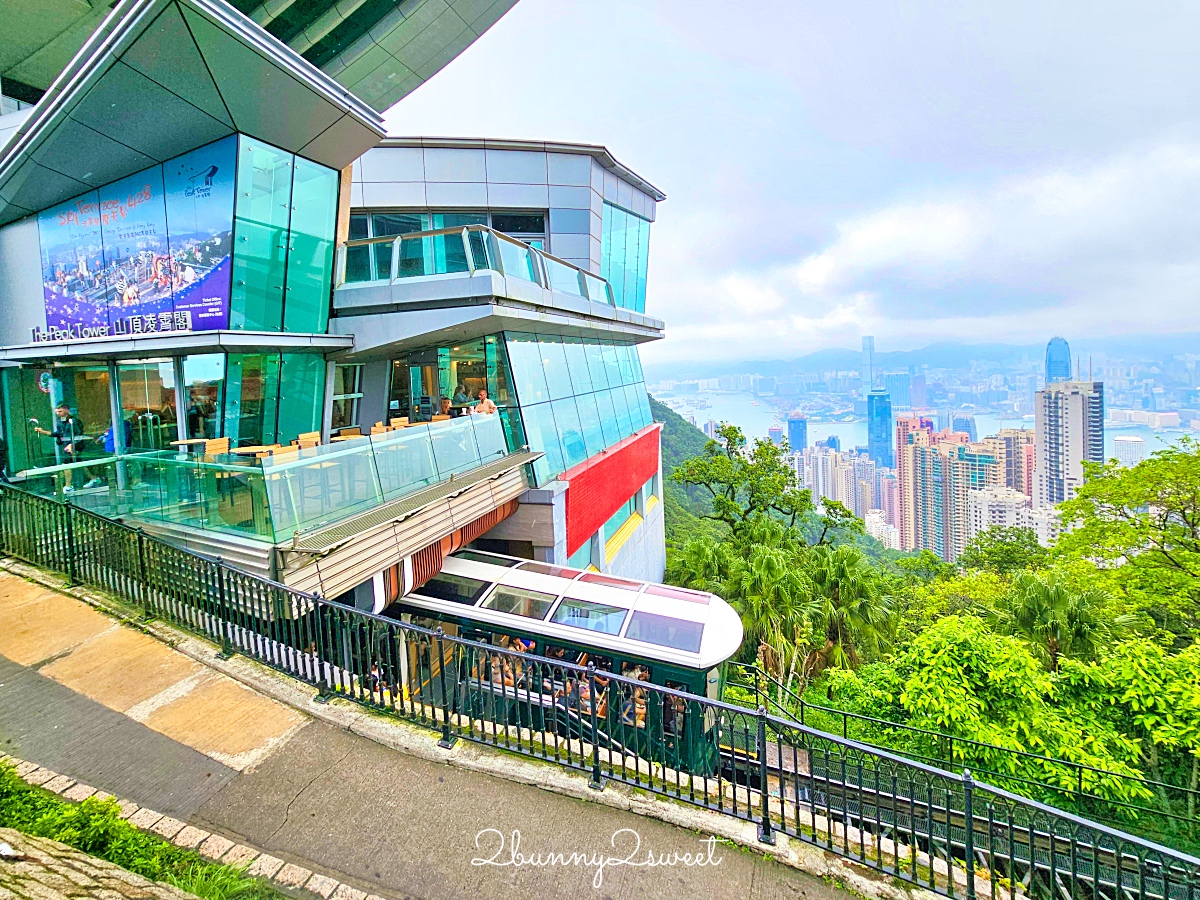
(895, 815)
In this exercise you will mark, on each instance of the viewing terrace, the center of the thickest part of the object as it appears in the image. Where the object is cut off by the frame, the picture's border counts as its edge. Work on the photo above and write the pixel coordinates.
(451, 280)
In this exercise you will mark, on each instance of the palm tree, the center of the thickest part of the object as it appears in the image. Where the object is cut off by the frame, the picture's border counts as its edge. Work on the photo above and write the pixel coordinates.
(1058, 621)
(850, 615)
(700, 564)
(768, 590)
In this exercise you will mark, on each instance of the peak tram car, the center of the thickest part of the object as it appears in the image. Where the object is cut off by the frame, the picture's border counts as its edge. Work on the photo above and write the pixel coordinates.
(559, 618)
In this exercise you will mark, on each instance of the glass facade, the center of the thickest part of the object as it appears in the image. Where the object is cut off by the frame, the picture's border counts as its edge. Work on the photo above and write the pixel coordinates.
(624, 256)
(235, 234)
(576, 397)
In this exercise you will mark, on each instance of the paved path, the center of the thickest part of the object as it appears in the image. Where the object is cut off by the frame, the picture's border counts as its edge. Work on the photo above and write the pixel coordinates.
(158, 728)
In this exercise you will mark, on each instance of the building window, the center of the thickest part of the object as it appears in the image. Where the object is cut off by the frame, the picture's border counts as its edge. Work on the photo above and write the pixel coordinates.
(624, 255)
(347, 392)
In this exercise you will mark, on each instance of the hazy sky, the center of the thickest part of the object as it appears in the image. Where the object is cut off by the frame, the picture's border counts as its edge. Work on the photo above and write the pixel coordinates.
(916, 171)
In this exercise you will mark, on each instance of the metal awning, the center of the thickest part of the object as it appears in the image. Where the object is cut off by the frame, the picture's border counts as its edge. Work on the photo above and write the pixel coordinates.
(178, 343)
(161, 77)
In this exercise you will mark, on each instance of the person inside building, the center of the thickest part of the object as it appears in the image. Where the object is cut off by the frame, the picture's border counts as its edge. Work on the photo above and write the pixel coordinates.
(461, 397)
(485, 405)
(68, 435)
(447, 409)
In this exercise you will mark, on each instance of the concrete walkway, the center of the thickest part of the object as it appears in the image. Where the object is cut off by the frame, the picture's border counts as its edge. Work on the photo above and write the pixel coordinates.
(114, 708)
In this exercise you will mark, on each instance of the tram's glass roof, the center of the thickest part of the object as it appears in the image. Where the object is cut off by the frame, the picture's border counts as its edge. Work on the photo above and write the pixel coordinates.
(656, 621)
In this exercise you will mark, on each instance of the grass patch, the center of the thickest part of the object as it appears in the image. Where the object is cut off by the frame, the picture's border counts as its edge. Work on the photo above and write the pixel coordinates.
(95, 827)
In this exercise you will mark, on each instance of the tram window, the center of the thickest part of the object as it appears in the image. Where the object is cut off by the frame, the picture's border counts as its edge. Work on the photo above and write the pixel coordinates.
(609, 581)
(519, 602)
(590, 616)
(542, 568)
(662, 590)
(455, 588)
(665, 631)
(490, 558)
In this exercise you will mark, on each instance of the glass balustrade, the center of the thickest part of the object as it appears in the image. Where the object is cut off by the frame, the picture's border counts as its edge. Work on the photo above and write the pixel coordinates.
(461, 250)
(272, 498)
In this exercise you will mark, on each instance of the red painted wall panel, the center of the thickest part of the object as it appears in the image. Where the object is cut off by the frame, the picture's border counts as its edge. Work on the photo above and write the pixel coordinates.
(599, 486)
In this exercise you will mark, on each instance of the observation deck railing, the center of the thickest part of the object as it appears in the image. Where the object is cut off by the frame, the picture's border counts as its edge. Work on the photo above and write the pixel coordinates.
(466, 250)
(919, 824)
(273, 498)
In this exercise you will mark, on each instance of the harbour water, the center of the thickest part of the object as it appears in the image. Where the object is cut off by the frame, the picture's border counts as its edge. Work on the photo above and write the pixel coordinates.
(754, 416)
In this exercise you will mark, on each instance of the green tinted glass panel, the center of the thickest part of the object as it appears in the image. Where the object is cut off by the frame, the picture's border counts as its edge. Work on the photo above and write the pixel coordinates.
(251, 398)
(608, 417)
(577, 367)
(264, 183)
(301, 394)
(570, 434)
(310, 256)
(525, 360)
(554, 362)
(542, 433)
(259, 270)
(596, 368)
(589, 423)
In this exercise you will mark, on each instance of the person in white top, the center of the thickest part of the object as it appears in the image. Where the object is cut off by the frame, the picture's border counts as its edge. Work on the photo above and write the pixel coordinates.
(485, 406)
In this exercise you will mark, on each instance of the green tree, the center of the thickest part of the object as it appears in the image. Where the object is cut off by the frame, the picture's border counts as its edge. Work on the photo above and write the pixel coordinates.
(851, 616)
(1142, 526)
(1058, 621)
(744, 483)
(1003, 551)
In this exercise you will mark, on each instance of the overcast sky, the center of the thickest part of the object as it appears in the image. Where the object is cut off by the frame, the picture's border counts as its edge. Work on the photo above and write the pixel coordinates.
(916, 171)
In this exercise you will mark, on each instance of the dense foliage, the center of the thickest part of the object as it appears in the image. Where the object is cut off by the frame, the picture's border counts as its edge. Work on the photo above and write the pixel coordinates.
(95, 827)
(1071, 674)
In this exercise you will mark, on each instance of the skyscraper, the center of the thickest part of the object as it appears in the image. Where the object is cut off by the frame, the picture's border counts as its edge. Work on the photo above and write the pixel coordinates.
(868, 364)
(1058, 361)
(775, 434)
(1008, 446)
(797, 432)
(897, 384)
(879, 429)
(906, 426)
(1069, 426)
(941, 471)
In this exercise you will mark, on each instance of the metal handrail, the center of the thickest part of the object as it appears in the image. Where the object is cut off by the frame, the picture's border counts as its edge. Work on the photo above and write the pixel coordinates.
(801, 706)
(539, 255)
(911, 821)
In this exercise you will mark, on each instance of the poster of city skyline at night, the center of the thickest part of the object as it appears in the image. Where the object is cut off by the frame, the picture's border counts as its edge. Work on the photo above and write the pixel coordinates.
(150, 252)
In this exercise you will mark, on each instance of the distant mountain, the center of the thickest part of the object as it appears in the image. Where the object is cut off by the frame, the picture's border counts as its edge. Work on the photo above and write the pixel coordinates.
(941, 355)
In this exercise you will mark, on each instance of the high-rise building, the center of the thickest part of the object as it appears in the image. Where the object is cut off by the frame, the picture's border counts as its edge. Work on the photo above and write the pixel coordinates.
(775, 434)
(1069, 426)
(1009, 447)
(898, 384)
(996, 507)
(797, 432)
(1128, 449)
(906, 427)
(879, 429)
(868, 364)
(833, 442)
(965, 422)
(887, 498)
(1058, 361)
(940, 471)
(918, 392)
(285, 278)
(1028, 459)
(710, 428)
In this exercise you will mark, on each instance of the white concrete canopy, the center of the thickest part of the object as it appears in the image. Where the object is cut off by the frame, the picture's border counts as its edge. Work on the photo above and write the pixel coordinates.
(162, 77)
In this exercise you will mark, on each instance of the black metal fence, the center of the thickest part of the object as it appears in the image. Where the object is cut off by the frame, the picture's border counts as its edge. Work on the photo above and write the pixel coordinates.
(921, 825)
(1158, 810)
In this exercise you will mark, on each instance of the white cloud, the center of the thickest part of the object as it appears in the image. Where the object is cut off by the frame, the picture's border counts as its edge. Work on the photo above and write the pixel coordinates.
(1086, 250)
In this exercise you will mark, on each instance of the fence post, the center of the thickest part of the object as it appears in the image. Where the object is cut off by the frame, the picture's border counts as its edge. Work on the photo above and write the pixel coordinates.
(68, 510)
(597, 783)
(969, 823)
(144, 587)
(223, 607)
(765, 834)
(448, 739)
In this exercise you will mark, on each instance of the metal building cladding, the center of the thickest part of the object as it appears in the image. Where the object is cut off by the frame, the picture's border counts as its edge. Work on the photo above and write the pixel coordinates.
(241, 317)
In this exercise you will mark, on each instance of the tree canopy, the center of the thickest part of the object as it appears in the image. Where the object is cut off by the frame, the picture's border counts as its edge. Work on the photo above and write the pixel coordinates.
(1004, 550)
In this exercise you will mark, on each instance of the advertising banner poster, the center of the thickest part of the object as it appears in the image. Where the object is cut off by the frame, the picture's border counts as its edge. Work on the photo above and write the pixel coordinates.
(73, 266)
(199, 189)
(148, 253)
(137, 261)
